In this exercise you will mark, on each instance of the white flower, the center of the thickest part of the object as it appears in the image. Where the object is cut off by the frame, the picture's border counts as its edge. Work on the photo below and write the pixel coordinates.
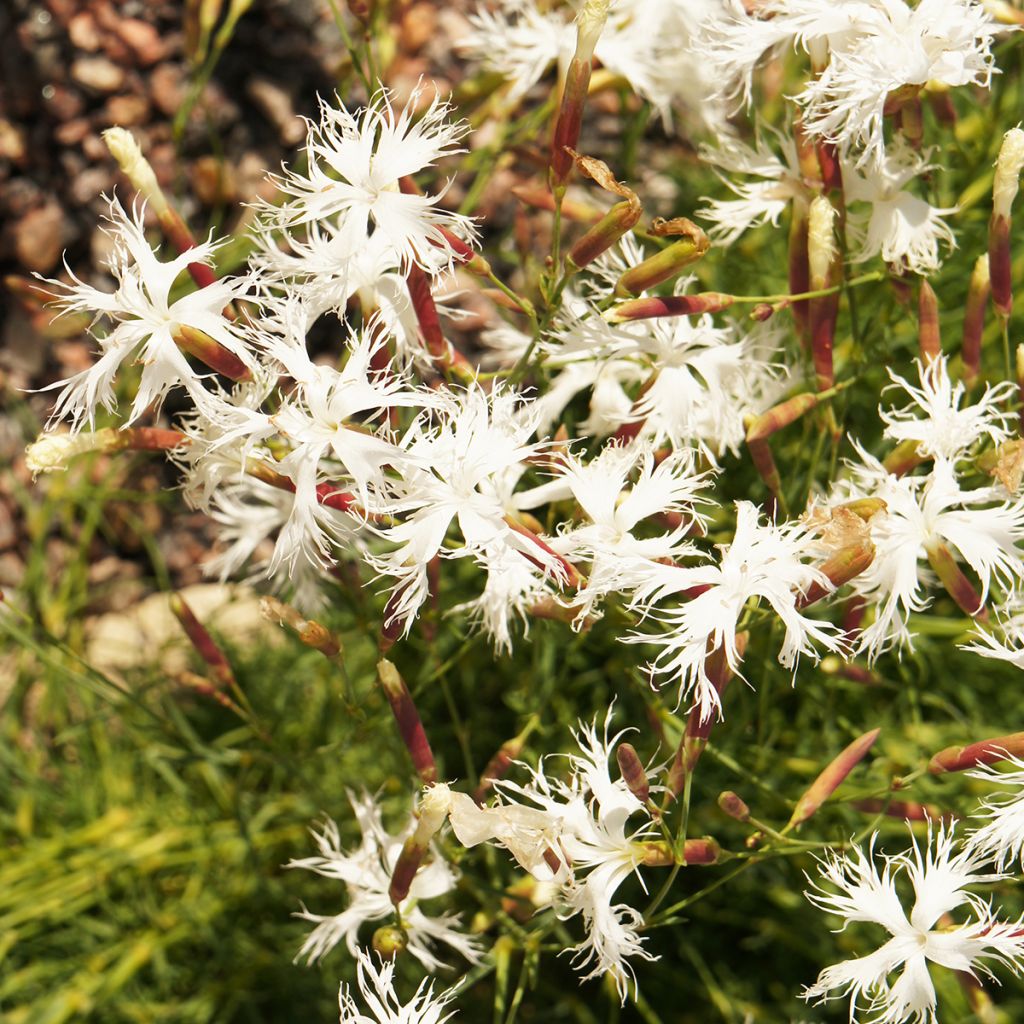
(615, 506)
(366, 873)
(944, 41)
(923, 511)
(377, 987)
(902, 228)
(760, 202)
(947, 431)
(144, 319)
(575, 834)
(456, 460)
(1002, 838)
(763, 562)
(939, 878)
(351, 183)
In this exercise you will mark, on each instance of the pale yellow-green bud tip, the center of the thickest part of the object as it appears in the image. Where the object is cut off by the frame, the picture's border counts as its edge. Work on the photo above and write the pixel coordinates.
(1008, 168)
(125, 150)
(589, 25)
(52, 452)
(821, 244)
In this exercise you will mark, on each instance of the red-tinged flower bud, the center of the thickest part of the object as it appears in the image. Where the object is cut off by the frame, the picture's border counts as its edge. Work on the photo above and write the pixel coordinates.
(821, 255)
(832, 777)
(830, 166)
(696, 853)
(51, 452)
(782, 415)
(669, 305)
(622, 217)
(764, 311)
(443, 352)
(540, 197)
(833, 666)
(840, 567)
(199, 344)
(701, 852)
(589, 24)
(1004, 191)
(410, 727)
(764, 463)
(905, 810)
(389, 941)
(433, 809)
(957, 585)
(206, 647)
(903, 458)
(800, 271)
(974, 319)
(997, 748)
(929, 340)
(733, 805)
(942, 106)
(698, 729)
(633, 773)
(669, 262)
(137, 169)
(310, 633)
(500, 762)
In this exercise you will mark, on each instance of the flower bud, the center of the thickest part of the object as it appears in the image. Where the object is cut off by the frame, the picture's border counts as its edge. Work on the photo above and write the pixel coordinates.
(52, 452)
(390, 941)
(733, 805)
(929, 340)
(210, 351)
(669, 305)
(311, 633)
(974, 319)
(957, 585)
(135, 167)
(1004, 191)
(500, 762)
(664, 265)
(821, 253)
(433, 809)
(1009, 164)
(410, 727)
(633, 773)
(957, 759)
(589, 24)
(832, 777)
(206, 647)
(903, 458)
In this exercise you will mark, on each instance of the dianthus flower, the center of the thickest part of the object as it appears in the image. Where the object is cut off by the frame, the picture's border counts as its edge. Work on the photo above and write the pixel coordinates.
(939, 877)
(377, 988)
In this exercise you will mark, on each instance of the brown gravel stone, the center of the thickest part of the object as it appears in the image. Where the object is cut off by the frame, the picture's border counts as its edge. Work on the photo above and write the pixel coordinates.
(97, 74)
(127, 111)
(39, 237)
(142, 39)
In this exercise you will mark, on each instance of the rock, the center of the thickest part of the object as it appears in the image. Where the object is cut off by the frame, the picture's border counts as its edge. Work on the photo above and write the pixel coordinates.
(63, 103)
(418, 26)
(213, 181)
(91, 183)
(142, 39)
(276, 105)
(12, 142)
(84, 33)
(167, 88)
(39, 237)
(126, 111)
(71, 133)
(97, 74)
